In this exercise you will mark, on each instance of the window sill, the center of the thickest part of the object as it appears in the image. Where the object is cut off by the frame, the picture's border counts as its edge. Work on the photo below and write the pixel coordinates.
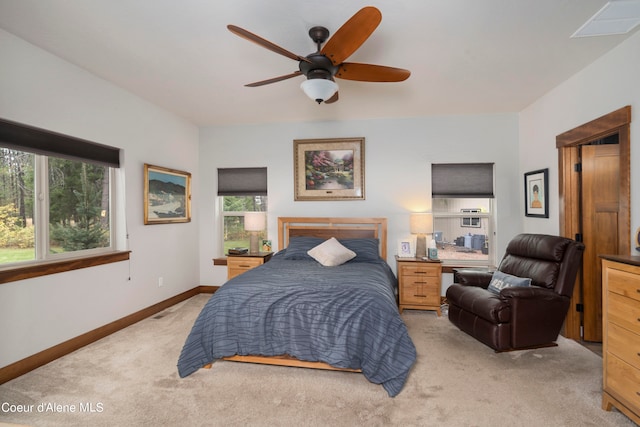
(53, 267)
(449, 268)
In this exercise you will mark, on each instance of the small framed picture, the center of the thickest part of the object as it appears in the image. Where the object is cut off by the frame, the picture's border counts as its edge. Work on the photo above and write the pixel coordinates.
(406, 248)
(536, 193)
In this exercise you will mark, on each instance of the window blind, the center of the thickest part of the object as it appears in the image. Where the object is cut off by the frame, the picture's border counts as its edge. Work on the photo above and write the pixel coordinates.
(462, 180)
(40, 141)
(242, 181)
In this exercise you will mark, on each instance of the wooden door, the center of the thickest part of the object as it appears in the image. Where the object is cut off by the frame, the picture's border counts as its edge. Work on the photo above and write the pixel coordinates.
(600, 221)
(570, 144)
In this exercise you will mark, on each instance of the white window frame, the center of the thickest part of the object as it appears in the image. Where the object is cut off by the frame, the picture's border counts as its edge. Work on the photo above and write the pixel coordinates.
(41, 219)
(470, 221)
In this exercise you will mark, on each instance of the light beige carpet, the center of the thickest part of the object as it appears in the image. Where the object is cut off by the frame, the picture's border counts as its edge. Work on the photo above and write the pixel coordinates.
(130, 379)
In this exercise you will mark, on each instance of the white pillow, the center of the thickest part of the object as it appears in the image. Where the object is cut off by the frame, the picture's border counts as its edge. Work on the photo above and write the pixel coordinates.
(331, 253)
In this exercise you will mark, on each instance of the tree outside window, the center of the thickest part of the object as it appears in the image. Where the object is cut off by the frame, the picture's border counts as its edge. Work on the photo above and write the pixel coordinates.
(72, 215)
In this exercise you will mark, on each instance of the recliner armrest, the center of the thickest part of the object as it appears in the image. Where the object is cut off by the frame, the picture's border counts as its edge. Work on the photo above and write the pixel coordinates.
(537, 315)
(477, 278)
(529, 292)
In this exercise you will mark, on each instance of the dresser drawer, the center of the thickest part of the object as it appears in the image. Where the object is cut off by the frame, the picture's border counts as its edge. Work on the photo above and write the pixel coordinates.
(624, 282)
(621, 331)
(622, 381)
(623, 311)
(624, 344)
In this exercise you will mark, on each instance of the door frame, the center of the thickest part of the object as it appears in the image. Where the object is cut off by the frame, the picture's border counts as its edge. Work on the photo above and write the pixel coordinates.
(568, 144)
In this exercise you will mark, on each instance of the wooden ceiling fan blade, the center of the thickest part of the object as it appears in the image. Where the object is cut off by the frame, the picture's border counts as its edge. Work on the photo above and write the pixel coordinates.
(352, 34)
(274, 80)
(333, 99)
(265, 43)
(371, 73)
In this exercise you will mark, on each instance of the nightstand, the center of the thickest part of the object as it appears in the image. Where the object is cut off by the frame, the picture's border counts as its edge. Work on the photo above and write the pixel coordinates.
(238, 264)
(419, 284)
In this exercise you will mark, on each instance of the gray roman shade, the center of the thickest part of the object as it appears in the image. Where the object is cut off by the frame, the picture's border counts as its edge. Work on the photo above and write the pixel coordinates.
(30, 139)
(462, 180)
(242, 181)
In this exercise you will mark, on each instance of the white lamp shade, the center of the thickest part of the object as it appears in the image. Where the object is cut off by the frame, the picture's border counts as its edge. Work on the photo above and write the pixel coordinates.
(254, 221)
(319, 89)
(421, 223)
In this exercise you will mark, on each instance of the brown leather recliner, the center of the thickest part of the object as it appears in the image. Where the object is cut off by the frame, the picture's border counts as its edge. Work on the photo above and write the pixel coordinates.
(519, 317)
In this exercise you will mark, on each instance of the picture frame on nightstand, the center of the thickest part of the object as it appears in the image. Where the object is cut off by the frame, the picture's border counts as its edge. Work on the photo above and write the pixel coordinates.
(406, 248)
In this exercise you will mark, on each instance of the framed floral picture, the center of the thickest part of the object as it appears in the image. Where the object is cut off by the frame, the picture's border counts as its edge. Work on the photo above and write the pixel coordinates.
(536, 193)
(167, 195)
(328, 169)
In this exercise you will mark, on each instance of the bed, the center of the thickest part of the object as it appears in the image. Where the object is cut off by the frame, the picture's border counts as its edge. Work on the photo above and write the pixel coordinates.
(294, 311)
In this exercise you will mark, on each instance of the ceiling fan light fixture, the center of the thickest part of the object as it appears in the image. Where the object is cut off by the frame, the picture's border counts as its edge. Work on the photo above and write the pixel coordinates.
(319, 89)
(328, 62)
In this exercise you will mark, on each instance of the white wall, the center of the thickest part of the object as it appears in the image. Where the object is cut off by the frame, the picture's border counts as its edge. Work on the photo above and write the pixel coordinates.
(397, 175)
(42, 90)
(612, 82)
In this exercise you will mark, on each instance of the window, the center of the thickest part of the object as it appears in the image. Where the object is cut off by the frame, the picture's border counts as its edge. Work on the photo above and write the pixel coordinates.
(233, 210)
(240, 190)
(71, 216)
(458, 190)
(462, 240)
(56, 198)
(472, 221)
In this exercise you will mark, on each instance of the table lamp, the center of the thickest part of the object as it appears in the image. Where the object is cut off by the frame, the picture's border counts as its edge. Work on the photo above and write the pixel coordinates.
(421, 224)
(253, 223)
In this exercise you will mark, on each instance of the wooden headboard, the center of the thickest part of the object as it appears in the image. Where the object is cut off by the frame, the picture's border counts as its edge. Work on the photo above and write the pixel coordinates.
(324, 227)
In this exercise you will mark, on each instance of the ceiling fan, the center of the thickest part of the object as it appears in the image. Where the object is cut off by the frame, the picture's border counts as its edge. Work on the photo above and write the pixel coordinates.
(327, 62)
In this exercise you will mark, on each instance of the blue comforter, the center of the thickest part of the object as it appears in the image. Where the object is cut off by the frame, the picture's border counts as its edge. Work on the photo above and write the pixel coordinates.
(345, 316)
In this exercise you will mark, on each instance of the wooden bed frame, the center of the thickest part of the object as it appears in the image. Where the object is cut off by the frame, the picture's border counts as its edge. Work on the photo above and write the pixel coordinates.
(325, 227)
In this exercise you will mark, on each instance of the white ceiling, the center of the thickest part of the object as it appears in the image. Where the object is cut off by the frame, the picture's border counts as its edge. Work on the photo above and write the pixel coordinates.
(465, 56)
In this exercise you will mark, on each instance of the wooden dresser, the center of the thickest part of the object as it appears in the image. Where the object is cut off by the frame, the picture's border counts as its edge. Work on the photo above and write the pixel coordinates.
(419, 284)
(621, 334)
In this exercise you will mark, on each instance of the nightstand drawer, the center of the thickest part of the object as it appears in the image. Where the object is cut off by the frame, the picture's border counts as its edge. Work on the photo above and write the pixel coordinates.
(243, 263)
(237, 265)
(431, 281)
(421, 293)
(233, 272)
(419, 270)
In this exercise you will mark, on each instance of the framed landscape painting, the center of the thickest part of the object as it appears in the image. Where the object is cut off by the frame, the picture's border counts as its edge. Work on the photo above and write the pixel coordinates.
(167, 195)
(328, 169)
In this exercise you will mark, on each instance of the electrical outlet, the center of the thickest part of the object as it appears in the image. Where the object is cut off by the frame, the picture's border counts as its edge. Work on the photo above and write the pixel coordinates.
(160, 282)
